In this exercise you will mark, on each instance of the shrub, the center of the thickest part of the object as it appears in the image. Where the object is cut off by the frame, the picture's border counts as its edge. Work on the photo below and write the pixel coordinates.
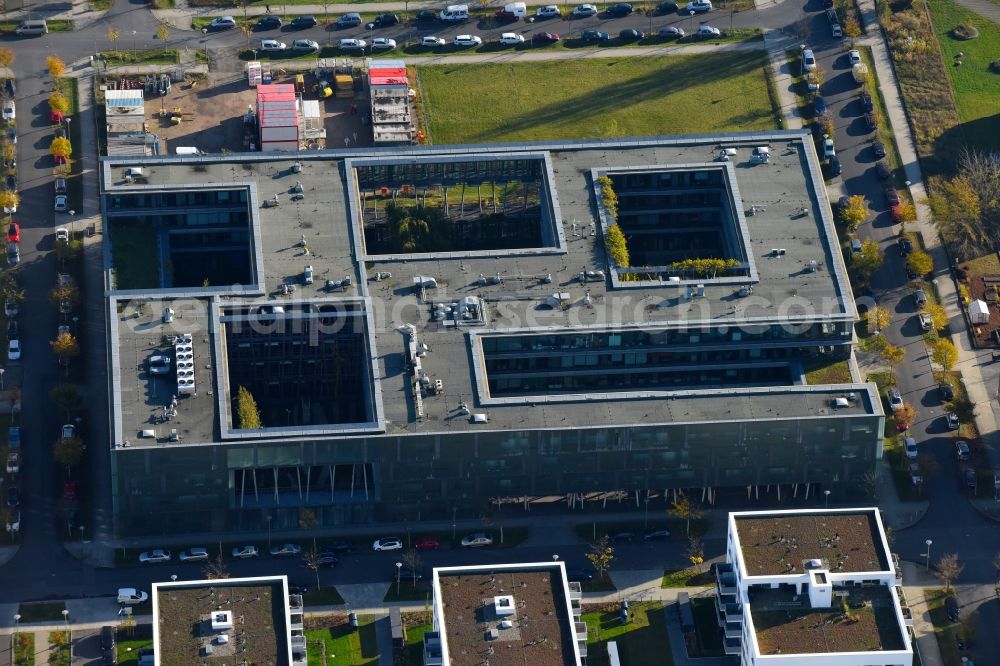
(964, 31)
(617, 246)
(995, 65)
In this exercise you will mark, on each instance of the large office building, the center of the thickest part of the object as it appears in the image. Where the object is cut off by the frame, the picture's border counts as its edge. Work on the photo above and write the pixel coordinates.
(425, 331)
(812, 588)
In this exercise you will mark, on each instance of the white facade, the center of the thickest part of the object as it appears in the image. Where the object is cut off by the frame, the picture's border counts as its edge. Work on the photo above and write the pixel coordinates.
(819, 584)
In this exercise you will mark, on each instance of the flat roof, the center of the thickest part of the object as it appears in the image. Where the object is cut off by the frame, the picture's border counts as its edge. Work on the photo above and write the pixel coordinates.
(256, 627)
(780, 543)
(784, 622)
(536, 605)
(316, 229)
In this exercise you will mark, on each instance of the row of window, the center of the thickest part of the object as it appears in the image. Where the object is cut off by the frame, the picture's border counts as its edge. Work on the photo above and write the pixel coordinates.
(176, 199)
(660, 179)
(374, 177)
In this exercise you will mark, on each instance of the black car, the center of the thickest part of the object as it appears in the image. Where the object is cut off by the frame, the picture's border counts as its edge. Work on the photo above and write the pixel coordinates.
(620, 9)
(621, 535)
(386, 20)
(342, 547)
(579, 576)
(270, 22)
(11, 182)
(666, 8)
(891, 195)
(833, 167)
(10, 88)
(13, 497)
(882, 171)
(879, 149)
(947, 391)
(659, 533)
(951, 606)
(905, 246)
(870, 122)
(630, 35)
(406, 572)
(425, 16)
(867, 103)
(326, 557)
(302, 22)
(817, 131)
(594, 36)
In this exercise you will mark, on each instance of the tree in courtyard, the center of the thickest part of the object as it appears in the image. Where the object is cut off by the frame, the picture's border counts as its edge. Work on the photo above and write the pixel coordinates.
(247, 30)
(65, 297)
(686, 509)
(920, 262)
(907, 212)
(854, 214)
(61, 147)
(65, 347)
(873, 344)
(246, 410)
(878, 319)
(868, 260)
(948, 569)
(944, 353)
(9, 199)
(216, 569)
(411, 558)
(905, 416)
(939, 318)
(58, 102)
(68, 451)
(893, 356)
(695, 553)
(66, 398)
(851, 28)
(6, 56)
(957, 210)
(601, 556)
(113, 36)
(56, 67)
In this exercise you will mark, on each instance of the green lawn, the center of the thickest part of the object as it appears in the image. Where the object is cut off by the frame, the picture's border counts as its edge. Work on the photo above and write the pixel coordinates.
(343, 646)
(976, 87)
(136, 263)
(43, 611)
(828, 372)
(128, 651)
(687, 577)
(407, 590)
(413, 653)
(123, 56)
(24, 648)
(59, 648)
(943, 629)
(595, 98)
(54, 26)
(641, 642)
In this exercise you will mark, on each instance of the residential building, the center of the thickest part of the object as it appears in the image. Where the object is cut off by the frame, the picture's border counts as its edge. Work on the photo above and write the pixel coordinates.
(812, 588)
(427, 331)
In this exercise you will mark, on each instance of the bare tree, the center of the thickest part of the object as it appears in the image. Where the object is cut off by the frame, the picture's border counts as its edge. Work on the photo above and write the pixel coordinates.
(216, 568)
(412, 559)
(695, 553)
(948, 569)
(312, 562)
(601, 556)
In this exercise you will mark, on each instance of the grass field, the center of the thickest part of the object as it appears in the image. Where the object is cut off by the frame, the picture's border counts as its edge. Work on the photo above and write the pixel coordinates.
(343, 646)
(828, 372)
(642, 641)
(141, 57)
(54, 26)
(595, 98)
(976, 87)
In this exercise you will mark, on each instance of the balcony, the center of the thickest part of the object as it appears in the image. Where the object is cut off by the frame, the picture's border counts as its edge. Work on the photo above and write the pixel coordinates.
(299, 651)
(732, 646)
(432, 649)
(734, 630)
(725, 582)
(575, 591)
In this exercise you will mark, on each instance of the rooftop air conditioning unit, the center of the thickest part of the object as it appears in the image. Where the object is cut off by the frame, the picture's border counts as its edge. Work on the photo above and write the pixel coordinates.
(479, 418)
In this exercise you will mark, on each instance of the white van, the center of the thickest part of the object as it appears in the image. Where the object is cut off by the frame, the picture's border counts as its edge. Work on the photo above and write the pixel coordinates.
(34, 27)
(187, 150)
(513, 11)
(455, 13)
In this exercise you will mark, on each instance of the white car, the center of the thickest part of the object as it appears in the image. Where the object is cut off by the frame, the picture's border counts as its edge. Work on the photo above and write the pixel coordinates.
(808, 60)
(244, 552)
(10, 308)
(511, 39)
(854, 57)
(9, 112)
(130, 595)
(14, 350)
(895, 400)
(157, 556)
(383, 44)
(828, 149)
(548, 11)
(352, 44)
(584, 11)
(272, 45)
(388, 543)
(286, 550)
(431, 41)
(707, 31)
(305, 45)
(910, 445)
(68, 431)
(697, 7)
(477, 540)
(467, 40)
(62, 203)
(62, 235)
(194, 555)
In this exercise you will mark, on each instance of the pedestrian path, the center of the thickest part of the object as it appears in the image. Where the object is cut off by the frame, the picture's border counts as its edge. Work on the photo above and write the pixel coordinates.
(984, 8)
(777, 43)
(915, 579)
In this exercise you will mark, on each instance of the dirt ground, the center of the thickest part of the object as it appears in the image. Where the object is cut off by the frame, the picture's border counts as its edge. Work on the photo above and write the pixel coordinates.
(213, 109)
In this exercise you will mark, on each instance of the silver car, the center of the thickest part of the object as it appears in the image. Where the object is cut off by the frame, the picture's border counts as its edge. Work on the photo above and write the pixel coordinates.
(194, 555)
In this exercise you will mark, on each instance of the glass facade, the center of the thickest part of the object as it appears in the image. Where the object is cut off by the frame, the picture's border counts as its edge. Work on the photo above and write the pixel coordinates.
(422, 173)
(400, 478)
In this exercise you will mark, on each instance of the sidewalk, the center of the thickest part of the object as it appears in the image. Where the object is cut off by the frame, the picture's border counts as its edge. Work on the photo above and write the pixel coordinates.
(915, 579)
(777, 43)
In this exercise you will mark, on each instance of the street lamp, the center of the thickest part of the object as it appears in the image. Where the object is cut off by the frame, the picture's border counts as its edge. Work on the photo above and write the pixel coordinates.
(928, 555)
(399, 573)
(645, 516)
(17, 618)
(65, 614)
(81, 532)
(454, 512)
(268, 519)
(1, 378)
(555, 558)
(173, 578)
(826, 498)
(133, 46)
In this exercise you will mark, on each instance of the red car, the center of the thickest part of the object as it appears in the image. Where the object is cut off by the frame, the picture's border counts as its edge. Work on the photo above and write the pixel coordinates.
(14, 233)
(897, 212)
(545, 38)
(59, 159)
(56, 116)
(69, 490)
(427, 543)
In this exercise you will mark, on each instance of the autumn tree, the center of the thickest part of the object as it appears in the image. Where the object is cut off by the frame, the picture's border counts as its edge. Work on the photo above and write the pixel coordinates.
(68, 451)
(873, 344)
(308, 521)
(601, 556)
(58, 102)
(9, 199)
(948, 570)
(907, 212)
(695, 553)
(61, 147)
(113, 36)
(246, 410)
(65, 346)
(956, 209)
(919, 262)
(216, 569)
(893, 356)
(878, 319)
(854, 214)
(905, 416)
(939, 318)
(6, 56)
(868, 260)
(247, 30)
(56, 66)
(851, 27)
(163, 32)
(686, 509)
(944, 353)
(65, 296)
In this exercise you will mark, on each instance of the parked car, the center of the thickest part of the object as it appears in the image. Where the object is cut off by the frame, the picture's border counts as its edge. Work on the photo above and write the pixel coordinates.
(14, 437)
(882, 171)
(511, 39)
(68, 431)
(194, 555)
(920, 298)
(657, 533)
(269, 22)
(305, 46)
(970, 478)
(622, 535)
(631, 35)
(952, 420)
(543, 38)
(9, 110)
(13, 497)
(947, 391)
(10, 88)
(157, 556)
(221, 23)
(388, 543)
(467, 40)
(14, 350)
(579, 576)
(819, 106)
(835, 31)
(349, 20)
(895, 399)
(583, 11)
(427, 543)
(619, 10)
(61, 203)
(383, 44)
(272, 45)
(13, 255)
(910, 446)
(386, 20)
(108, 649)
(548, 11)
(13, 462)
(130, 595)
(828, 149)
(879, 149)
(13, 232)
(286, 550)
(707, 32)
(351, 44)
(925, 321)
(808, 60)
(342, 547)
(60, 185)
(432, 42)
(812, 82)
(406, 572)
(951, 608)
(425, 16)
(961, 450)
(905, 246)
(867, 103)
(298, 588)
(854, 57)
(833, 167)
(665, 7)
(671, 32)
(327, 558)
(245, 552)
(477, 540)
(303, 22)
(698, 7)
